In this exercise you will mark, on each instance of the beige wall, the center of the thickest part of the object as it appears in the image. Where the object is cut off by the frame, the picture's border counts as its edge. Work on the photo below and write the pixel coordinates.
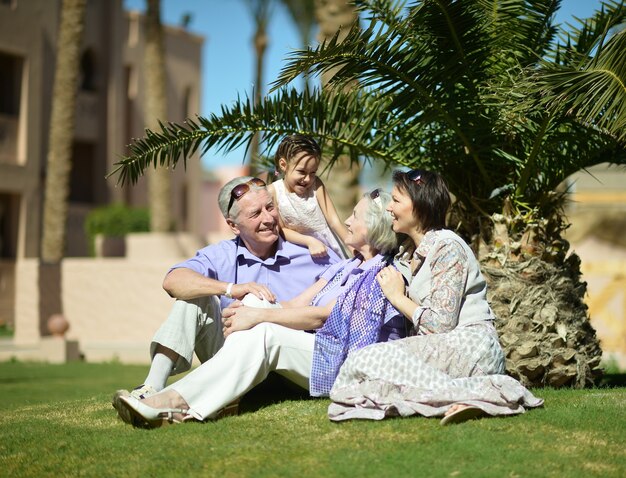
(597, 213)
(107, 117)
(29, 32)
(113, 305)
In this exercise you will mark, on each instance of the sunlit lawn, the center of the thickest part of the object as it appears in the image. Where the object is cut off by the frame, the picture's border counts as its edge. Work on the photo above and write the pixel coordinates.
(57, 420)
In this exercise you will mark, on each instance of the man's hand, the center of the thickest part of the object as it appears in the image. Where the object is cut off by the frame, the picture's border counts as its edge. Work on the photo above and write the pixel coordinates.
(239, 291)
(239, 317)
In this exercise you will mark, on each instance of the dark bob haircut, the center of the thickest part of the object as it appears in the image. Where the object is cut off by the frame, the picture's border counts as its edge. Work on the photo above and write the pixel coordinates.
(430, 196)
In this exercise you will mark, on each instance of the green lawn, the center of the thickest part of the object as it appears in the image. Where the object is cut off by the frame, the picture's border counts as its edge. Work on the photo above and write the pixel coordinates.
(57, 420)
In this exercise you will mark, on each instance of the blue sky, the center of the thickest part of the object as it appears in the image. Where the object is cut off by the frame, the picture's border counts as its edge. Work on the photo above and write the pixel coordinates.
(228, 58)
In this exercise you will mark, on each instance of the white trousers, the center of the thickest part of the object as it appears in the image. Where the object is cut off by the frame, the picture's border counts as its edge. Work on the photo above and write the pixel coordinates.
(195, 325)
(192, 326)
(245, 360)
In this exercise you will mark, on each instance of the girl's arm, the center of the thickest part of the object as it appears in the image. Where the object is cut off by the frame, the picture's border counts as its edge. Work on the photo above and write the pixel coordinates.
(330, 213)
(316, 247)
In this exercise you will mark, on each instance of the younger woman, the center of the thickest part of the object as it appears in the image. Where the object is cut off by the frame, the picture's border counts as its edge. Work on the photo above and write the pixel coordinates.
(307, 214)
(454, 366)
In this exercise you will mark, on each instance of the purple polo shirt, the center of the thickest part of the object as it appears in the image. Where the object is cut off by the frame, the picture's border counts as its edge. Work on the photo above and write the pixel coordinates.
(290, 271)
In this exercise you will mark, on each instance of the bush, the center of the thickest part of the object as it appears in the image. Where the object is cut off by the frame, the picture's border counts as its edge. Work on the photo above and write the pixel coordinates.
(115, 220)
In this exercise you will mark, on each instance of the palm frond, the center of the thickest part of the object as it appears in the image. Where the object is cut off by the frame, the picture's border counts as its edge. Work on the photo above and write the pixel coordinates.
(478, 90)
(349, 122)
(581, 39)
(521, 31)
(595, 92)
(389, 12)
(404, 60)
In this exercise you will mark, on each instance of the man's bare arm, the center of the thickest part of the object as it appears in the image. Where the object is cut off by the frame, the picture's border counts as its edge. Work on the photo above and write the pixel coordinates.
(185, 284)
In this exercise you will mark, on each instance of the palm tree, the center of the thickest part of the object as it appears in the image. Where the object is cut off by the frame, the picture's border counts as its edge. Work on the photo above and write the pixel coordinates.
(494, 96)
(341, 176)
(302, 13)
(159, 180)
(62, 130)
(261, 12)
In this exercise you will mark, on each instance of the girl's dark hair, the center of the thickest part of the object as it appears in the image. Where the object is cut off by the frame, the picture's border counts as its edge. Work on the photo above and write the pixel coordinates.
(294, 144)
(430, 196)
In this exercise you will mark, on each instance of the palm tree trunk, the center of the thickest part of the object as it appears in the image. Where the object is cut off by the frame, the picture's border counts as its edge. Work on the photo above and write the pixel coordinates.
(536, 292)
(343, 183)
(260, 41)
(159, 179)
(260, 12)
(62, 130)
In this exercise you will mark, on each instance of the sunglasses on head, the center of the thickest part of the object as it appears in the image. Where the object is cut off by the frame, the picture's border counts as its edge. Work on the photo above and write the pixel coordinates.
(238, 191)
(375, 196)
(415, 175)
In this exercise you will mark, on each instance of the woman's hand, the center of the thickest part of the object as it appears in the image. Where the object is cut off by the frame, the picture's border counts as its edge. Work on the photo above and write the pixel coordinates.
(392, 284)
(239, 291)
(239, 317)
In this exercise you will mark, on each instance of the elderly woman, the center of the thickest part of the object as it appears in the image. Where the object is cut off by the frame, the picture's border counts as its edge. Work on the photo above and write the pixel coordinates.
(454, 365)
(347, 298)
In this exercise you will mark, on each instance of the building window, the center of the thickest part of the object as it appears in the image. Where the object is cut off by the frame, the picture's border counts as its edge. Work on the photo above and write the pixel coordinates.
(88, 71)
(9, 217)
(9, 3)
(82, 176)
(10, 84)
(10, 97)
(186, 96)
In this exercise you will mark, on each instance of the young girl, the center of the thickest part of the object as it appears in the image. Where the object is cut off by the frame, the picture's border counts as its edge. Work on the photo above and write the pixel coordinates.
(307, 214)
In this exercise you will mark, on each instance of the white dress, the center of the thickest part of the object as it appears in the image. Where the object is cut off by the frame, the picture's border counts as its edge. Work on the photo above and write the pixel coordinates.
(454, 358)
(304, 215)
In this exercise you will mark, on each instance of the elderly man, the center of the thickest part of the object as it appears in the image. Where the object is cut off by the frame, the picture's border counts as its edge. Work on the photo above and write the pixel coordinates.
(257, 261)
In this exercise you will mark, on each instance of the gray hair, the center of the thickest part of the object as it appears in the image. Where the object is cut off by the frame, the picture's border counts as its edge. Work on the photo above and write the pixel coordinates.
(224, 196)
(380, 235)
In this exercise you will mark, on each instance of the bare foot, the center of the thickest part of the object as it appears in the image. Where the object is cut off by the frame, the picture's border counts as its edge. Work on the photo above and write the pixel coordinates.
(460, 412)
(455, 408)
(169, 399)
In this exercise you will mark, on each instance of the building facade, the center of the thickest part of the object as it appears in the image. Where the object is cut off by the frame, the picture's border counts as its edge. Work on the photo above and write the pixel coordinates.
(109, 112)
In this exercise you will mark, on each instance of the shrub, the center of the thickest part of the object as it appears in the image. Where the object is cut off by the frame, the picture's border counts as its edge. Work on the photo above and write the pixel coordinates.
(115, 220)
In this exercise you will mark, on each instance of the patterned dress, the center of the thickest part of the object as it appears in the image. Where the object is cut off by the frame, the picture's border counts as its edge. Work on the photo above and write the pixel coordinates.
(455, 356)
(304, 215)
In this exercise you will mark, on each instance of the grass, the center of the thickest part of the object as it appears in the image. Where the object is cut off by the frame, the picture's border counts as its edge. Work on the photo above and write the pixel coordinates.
(56, 420)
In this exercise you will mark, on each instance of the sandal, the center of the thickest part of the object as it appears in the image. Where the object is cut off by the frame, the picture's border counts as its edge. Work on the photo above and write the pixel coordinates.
(138, 414)
(230, 410)
(462, 415)
(121, 409)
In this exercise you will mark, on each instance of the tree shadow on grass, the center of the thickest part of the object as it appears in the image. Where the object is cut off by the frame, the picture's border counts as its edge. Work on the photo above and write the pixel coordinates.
(613, 380)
